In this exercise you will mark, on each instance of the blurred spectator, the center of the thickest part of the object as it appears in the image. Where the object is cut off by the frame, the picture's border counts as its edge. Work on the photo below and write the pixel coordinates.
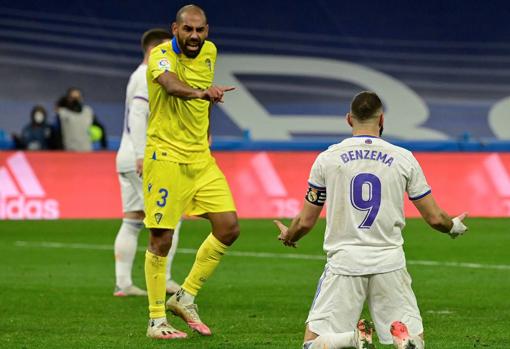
(37, 135)
(77, 123)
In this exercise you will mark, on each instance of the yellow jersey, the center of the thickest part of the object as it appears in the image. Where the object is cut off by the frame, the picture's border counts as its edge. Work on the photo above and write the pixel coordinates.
(177, 128)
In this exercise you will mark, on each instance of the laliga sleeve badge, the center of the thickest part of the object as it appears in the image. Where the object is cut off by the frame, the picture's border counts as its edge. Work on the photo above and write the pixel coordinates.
(164, 64)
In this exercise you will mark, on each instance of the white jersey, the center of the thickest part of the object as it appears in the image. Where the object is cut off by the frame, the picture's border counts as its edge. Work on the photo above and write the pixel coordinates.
(365, 179)
(132, 145)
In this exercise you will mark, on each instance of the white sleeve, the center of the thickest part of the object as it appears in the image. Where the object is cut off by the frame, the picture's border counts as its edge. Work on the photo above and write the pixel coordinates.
(316, 178)
(138, 113)
(316, 193)
(417, 186)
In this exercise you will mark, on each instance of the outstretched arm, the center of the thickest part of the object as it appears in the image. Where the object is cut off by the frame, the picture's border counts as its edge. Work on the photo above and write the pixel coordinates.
(438, 219)
(301, 224)
(175, 87)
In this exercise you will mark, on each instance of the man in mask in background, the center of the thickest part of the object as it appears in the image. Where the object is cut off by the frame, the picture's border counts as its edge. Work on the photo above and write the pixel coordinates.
(75, 120)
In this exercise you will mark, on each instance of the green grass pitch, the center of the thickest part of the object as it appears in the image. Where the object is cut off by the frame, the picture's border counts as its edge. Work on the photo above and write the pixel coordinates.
(57, 279)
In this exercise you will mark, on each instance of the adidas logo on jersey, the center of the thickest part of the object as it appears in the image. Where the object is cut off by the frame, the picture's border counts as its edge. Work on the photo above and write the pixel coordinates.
(21, 193)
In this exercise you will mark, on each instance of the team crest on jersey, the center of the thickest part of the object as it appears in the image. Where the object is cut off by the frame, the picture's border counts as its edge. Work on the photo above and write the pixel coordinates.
(312, 196)
(158, 217)
(209, 64)
(164, 64)
(316, 196)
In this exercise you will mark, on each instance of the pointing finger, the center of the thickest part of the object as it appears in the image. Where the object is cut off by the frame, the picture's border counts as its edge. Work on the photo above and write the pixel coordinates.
(227, 88)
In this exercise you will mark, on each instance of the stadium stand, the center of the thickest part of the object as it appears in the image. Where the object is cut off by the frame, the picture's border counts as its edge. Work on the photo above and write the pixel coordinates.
(453, 76)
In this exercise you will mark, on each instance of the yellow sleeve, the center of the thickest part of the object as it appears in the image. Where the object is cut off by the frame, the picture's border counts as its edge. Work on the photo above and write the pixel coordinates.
(214, 53)
(161, 59)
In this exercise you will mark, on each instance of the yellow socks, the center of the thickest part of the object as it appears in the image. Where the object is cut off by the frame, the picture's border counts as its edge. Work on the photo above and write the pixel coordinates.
(207, 259)
(155, 277)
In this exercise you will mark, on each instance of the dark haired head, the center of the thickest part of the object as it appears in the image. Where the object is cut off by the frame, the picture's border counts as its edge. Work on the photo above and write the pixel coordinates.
(366, 105)
(73, 99)
(154, 37)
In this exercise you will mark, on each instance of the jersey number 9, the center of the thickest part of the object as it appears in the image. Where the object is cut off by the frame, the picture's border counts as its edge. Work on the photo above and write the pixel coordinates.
(369, 202)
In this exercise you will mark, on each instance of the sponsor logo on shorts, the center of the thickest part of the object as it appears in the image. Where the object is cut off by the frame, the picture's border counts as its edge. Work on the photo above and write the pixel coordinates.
(158, 217)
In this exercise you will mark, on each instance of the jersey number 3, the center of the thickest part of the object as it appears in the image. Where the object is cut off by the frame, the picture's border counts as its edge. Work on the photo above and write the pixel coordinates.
(366, 196)
(164, 194)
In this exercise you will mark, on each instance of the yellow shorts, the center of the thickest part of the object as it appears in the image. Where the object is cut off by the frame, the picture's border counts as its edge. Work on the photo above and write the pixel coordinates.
(172, 189)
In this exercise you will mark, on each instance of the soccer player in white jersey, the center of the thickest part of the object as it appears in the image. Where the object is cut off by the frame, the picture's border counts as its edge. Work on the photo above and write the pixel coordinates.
(363, 179)
(129, 168)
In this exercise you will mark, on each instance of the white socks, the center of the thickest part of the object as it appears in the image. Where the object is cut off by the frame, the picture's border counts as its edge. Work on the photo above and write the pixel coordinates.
(333, 341)
(157, 321)
(420, 343)
(184, 297)
(125, 250)
(171, 253)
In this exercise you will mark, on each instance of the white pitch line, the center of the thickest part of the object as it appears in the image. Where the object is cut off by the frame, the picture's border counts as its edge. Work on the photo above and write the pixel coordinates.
(79, 246)
(440, 312)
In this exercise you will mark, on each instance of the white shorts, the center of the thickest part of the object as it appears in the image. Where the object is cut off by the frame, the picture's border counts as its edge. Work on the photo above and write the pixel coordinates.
(131, 191)
(339, 301)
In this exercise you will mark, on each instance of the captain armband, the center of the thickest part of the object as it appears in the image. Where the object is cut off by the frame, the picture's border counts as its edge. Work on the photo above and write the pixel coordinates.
(316, 196)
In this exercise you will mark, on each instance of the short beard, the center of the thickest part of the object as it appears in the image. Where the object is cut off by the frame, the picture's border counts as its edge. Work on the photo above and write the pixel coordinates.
(190, 54)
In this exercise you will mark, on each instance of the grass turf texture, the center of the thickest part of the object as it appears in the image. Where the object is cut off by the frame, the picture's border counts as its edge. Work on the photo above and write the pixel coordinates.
(62, 297)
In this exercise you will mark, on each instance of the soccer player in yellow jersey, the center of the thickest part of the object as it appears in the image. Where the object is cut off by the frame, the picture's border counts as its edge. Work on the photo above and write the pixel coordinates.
(180, 174)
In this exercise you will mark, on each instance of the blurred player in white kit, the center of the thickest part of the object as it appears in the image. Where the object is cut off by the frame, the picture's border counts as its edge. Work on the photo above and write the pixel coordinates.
(363, 179)
(129, 169)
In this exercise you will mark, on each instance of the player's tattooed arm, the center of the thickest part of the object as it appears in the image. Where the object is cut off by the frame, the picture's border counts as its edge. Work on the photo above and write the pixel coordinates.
(300, 226)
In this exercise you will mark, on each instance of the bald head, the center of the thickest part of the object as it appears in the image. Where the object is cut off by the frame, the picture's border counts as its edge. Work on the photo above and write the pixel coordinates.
(189, 9)
(190, 29)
